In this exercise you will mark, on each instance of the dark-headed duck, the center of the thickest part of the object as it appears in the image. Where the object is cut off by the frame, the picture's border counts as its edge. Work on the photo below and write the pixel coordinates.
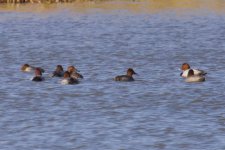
(127, 77)
(58, 71)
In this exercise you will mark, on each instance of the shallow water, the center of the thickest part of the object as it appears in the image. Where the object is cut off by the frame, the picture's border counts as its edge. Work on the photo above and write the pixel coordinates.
(157, 111)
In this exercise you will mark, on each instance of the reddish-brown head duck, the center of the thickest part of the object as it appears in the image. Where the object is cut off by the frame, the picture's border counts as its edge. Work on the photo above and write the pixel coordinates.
(38, 75)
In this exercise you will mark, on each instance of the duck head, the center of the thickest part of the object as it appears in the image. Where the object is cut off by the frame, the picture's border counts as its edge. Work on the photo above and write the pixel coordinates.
(185, 66)
(72, 69)
(37, 72)
(24, 67)
(130, 72)
(59, 68)
(66, 74)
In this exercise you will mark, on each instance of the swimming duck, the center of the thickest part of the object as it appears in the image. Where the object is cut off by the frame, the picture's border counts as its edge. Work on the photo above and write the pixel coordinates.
(58, 71)
(74, 72)
(68, 80)
(186, 67)
(191, 77)
(28, 68)
(38, 75)
(127, 77)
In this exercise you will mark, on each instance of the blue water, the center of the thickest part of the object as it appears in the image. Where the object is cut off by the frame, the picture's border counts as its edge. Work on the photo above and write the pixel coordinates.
(157, 111)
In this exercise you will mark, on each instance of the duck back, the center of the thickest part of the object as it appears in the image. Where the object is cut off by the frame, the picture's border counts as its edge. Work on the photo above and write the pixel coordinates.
(76, 75)
(124, 78)
(197, 72)
(57, 74)
(37, 78)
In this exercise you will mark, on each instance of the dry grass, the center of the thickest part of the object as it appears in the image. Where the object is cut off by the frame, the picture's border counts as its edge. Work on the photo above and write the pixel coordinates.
(150, 6)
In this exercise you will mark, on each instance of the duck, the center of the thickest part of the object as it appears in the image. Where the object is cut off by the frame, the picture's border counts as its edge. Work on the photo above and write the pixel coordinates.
(58, 71)
(191, 77)
(67, 79)
(38, 75)
(127, 77)
(74, 72)
(29, 68)
(186, 68)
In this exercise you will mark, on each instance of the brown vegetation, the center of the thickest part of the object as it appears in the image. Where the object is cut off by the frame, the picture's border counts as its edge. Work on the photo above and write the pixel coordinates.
(49, 1)
(148, 6)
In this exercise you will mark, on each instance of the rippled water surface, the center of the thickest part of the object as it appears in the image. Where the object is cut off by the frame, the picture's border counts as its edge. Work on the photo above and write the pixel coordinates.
(157, 111)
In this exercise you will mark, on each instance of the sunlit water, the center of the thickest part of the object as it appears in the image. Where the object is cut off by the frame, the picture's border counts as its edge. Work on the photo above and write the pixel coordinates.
(157, 111)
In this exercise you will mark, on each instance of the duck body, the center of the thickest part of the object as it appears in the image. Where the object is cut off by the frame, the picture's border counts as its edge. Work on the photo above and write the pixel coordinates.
(37, 78)
(197, 72)
(124, 78)
(69, 81)
(29, 69)
(195, 78)
(76, 75)
(57, 74)
(191, 77)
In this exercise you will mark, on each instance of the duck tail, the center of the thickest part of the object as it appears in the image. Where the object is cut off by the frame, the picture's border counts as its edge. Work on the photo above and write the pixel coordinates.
(117, 78)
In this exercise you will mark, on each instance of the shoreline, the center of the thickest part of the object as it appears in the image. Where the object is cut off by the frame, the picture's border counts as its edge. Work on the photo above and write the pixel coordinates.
(141, 6)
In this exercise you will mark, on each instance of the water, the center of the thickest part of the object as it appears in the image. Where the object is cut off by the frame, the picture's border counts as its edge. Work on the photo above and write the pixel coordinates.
(157, 111)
